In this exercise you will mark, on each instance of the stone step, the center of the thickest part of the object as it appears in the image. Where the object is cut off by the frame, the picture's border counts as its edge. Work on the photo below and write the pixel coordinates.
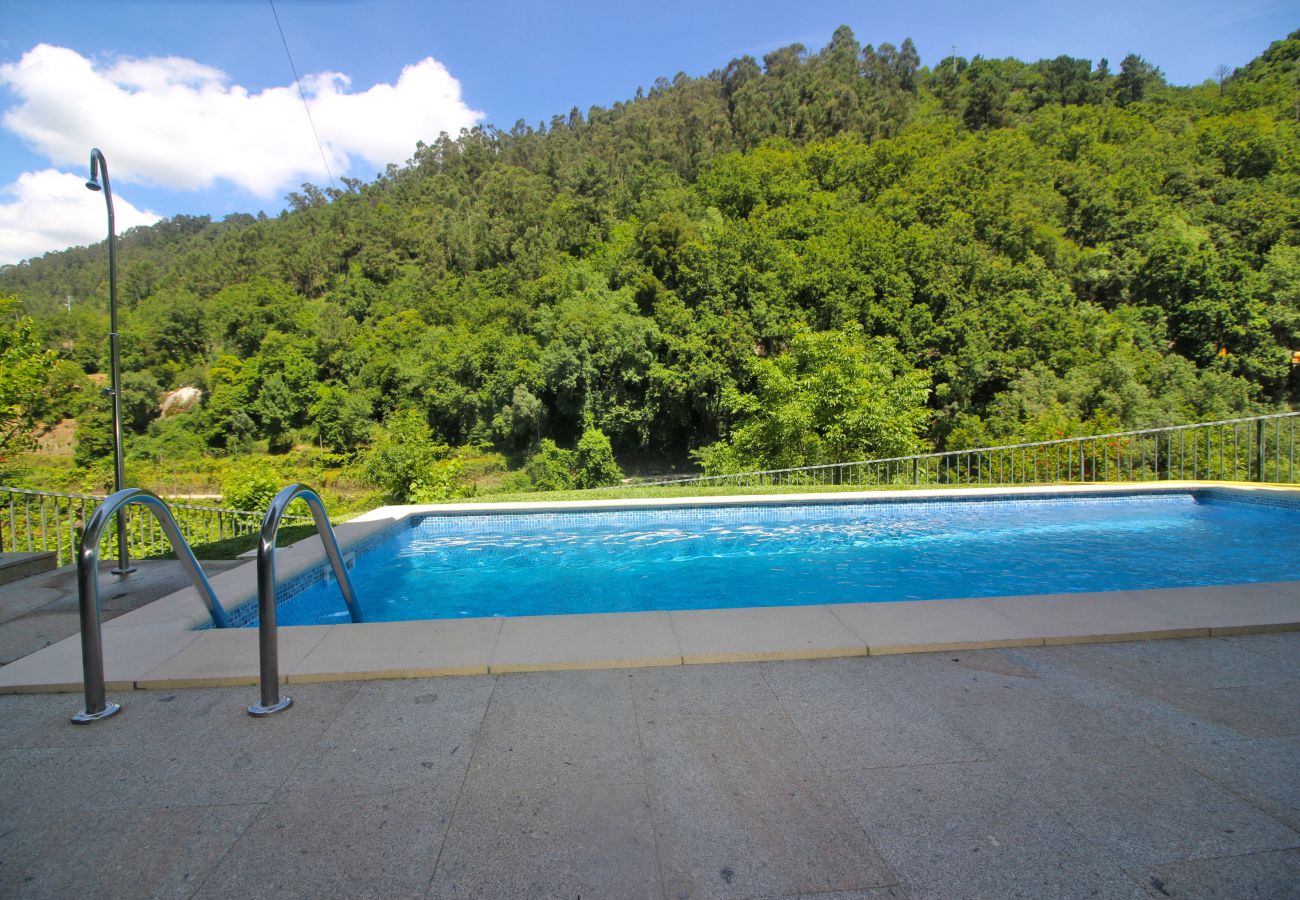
(17, 566)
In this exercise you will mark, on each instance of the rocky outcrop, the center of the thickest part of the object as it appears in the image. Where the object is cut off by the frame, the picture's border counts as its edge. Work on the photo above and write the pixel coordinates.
(181, 400)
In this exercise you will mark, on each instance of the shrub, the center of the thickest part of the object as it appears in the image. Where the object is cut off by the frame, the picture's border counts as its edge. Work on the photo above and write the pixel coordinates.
(596, 466)
(401, 454)
(551, 468)
(251, 485)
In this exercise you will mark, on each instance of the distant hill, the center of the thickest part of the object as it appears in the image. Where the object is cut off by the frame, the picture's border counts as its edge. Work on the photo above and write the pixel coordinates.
(1044, 247)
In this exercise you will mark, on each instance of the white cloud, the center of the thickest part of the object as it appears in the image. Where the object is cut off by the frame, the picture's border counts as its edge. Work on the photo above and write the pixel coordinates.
(179, 124)
(52, 210)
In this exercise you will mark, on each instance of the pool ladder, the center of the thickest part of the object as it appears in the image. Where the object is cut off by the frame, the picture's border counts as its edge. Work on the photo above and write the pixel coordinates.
(92, 646)
(272, 700)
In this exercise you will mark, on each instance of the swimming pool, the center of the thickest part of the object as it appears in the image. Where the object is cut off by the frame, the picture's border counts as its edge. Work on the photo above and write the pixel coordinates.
(468, 566)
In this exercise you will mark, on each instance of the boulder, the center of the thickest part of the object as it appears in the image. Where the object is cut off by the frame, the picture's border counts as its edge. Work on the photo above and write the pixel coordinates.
(181, 400)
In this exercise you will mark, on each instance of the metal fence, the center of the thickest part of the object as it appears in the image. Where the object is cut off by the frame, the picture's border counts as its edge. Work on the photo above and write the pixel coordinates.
(1258, 448)
(52, 521)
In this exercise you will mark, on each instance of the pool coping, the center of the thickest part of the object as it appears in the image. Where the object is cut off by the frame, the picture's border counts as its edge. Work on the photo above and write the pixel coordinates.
(158, 647)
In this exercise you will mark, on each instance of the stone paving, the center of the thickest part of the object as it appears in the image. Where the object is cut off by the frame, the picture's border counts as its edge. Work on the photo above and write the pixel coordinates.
(1163, 769)
(42, 609)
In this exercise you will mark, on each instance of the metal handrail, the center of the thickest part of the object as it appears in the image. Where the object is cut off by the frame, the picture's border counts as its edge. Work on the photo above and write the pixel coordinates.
(38, 520)
(937, 456)
(92, 645)
(268, 649)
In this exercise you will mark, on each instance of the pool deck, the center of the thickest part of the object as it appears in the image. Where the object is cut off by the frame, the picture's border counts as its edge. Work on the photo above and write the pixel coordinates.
(1122, 769)
(1162, 769)
(156, 646)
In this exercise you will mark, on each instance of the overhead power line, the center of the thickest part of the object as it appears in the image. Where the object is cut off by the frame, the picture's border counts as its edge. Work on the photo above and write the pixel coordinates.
(297, 81)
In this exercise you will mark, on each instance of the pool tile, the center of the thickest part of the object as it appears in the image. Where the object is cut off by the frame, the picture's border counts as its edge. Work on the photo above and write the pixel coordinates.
(399, 650)
(918, 626)
(760, 634)
(598, 641)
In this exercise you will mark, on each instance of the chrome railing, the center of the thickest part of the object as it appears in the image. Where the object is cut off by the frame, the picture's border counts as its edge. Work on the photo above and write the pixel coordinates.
(267, 640)
(92, 646)
(50, 521)
(1258, 448)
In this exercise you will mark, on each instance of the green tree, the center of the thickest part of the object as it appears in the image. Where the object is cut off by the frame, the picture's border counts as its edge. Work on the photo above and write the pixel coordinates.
(1136, 79)
(551, 468)
(93, 437)
(341, 416)
(401, 454)
(25, 369)
(141, 396)
(832, 397)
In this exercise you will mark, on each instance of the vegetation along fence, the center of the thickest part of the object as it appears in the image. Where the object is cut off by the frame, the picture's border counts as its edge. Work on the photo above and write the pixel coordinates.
(53, 522)
(1259, 448)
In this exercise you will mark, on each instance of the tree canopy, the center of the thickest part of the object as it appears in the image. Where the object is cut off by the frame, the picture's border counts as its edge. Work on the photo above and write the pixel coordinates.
(817, 256)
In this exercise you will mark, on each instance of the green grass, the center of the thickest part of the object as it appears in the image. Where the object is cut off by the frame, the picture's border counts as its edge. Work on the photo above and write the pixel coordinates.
(684, 490)
(232, 547)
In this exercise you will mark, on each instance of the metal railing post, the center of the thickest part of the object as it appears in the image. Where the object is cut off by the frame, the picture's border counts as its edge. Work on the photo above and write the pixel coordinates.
(272, 701)
(92, 649)
(1259, 450)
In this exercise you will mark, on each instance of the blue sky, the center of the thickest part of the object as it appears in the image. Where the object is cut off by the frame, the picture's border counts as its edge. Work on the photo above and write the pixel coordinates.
(193, 102)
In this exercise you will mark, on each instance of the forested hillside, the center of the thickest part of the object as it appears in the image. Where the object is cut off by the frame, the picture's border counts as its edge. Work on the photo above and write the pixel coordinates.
(827, 255)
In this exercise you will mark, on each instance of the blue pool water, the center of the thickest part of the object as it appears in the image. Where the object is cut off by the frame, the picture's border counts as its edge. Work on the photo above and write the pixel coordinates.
(513, 565)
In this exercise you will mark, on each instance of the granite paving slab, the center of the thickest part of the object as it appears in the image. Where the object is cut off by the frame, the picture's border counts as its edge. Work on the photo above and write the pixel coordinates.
(852, 719)
(561, 839)
(156, 852)
(1264, 772)
(187, 721)
(741, 807)
(966, 678)
(1155, 666)
(975, 830)
(1259, 876)
(381, 845)
(1145, 807)
(685, 781)
(559, 727)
